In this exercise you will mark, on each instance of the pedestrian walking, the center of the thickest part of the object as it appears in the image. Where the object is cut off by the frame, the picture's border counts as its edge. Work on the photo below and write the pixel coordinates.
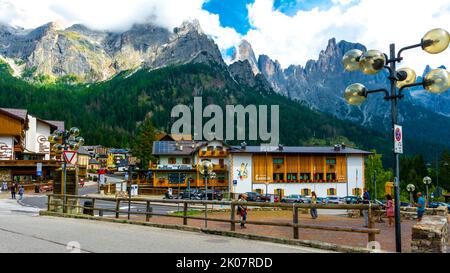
(13, 191)
(390, 210)
(313, 209)
(420, 206)
(242, 209)
(21, 192)
(365, 212)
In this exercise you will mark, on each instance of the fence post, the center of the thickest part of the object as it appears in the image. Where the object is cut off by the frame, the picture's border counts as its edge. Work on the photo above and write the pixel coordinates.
(117, 207)
(371, 224)
(148, 210)
(93, 207)
(232, 216)
(65, 204)
(49, 202)
(185, 211)
(295, 220)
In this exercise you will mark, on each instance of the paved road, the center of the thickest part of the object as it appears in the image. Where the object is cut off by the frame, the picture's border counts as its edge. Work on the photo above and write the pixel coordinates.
(22, 230)
(40, 202)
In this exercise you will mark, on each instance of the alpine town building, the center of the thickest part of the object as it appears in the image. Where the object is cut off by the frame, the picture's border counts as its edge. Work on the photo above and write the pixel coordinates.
(281, 170)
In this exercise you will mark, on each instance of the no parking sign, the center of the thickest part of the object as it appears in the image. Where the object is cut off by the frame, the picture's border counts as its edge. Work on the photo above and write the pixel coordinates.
(398, 139)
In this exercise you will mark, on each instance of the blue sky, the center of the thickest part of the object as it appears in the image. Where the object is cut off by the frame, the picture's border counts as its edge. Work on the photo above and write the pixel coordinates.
(234, 13)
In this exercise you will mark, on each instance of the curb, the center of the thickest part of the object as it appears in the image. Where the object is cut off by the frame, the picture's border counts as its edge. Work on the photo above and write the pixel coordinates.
(285, 241)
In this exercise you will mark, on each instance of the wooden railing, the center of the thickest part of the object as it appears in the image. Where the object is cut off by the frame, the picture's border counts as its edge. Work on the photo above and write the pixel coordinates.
(371, 231)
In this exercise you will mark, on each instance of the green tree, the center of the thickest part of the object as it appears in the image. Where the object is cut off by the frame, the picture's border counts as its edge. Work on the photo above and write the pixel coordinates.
(374, 169)
(143, 142)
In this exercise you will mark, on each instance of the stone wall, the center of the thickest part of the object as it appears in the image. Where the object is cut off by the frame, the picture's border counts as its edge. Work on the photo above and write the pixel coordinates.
(430, 235)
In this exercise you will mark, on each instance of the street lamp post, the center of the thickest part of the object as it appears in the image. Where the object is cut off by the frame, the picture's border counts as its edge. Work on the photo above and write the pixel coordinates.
(70, 139)
(206, 169)
(427, 182)
(411, 188)
(374, 61)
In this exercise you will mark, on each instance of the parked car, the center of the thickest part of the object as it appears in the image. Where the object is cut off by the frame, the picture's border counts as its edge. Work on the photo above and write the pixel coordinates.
(293, 198)
(352, 200)
(305, 199)
(382, 204)
(192, 194)
(434, 205)
(321, 200)
(271, 197)
(211, 195)
(253, 197)
(265, 197)
(333, 200)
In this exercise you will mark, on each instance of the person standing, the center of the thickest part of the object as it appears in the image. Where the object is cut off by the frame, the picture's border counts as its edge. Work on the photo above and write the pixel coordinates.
(313, 202)
(365, 212)
(21, 192)
(13, 191)
(242, 209)
(390, 209)
(420, 206)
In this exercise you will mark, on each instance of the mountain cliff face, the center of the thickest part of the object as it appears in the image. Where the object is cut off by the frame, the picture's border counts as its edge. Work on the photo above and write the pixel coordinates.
(320, 85)
(96, 55)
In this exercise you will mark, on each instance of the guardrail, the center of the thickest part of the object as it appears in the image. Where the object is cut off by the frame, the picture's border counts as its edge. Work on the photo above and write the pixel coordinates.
(371, 231)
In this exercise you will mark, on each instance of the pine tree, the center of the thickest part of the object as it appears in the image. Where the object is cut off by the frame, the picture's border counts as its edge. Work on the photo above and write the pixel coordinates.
(143, 143)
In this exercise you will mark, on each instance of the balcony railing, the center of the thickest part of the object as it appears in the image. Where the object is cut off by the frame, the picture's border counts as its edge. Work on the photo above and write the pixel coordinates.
(214, 153)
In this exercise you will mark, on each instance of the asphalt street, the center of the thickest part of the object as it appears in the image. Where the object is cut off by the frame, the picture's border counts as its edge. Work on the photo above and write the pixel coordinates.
(22, 230)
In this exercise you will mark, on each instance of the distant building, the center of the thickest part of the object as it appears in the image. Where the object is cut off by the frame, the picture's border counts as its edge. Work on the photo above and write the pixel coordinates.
(94, 165)
(83, 162)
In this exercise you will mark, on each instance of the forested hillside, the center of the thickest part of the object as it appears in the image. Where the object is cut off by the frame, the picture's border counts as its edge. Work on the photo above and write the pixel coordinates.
(109, 113)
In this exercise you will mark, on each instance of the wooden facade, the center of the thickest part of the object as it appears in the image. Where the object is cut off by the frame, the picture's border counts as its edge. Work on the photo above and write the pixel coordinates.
(299, 168)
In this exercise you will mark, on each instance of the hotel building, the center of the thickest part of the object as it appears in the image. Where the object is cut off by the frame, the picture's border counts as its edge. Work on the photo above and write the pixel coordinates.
(329, 171)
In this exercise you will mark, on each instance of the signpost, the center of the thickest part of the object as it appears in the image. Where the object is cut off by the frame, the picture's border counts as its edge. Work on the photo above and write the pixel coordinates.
(70, 157)
(39, 169)
(398, 139)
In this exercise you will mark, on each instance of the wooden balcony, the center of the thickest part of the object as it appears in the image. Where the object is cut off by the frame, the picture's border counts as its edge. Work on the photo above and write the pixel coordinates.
(214, 153)
(30, 163)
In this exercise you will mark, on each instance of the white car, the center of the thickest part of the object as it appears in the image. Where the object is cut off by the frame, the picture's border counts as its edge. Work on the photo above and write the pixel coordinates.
(333, 200)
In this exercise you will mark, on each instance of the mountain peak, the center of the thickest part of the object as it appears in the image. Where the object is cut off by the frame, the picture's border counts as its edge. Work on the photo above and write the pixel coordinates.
(189, 26)
(245, 52)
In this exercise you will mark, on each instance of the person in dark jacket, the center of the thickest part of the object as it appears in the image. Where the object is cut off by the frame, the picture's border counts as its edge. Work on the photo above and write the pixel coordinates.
(13, 191)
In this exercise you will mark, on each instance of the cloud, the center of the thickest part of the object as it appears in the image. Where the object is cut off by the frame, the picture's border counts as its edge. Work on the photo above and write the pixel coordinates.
(115, 15)
(297, 38)
(290, 39)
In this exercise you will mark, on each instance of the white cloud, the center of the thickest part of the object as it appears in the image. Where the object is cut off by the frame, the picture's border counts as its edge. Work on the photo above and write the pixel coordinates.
(289, 39)
(376, 24)
(115, 15)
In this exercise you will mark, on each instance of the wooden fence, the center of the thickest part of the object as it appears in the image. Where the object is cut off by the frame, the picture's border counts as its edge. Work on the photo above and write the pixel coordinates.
(371, 231)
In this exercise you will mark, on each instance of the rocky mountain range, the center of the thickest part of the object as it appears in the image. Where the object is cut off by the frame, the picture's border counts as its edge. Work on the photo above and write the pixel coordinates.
(52, 52)
(95, 56)
(320, 85)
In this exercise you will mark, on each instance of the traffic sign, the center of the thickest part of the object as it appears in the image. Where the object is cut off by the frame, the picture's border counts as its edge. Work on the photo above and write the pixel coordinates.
(398, 139)
(39, 169)
(70, 157)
